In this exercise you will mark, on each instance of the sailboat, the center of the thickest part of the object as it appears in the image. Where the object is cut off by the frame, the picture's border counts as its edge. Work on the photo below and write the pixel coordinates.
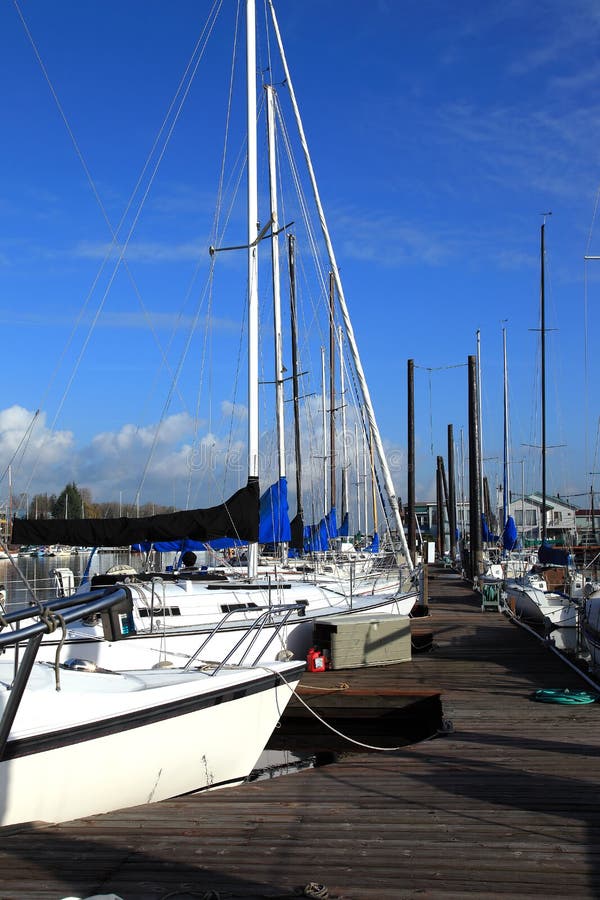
(170, 614)
(509, 561)
(76, 741)
(529, 596)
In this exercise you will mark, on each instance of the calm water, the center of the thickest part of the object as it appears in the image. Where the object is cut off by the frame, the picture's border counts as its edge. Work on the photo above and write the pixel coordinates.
(39, 572)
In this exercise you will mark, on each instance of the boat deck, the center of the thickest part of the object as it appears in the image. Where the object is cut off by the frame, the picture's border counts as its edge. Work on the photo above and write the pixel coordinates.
(505, 803)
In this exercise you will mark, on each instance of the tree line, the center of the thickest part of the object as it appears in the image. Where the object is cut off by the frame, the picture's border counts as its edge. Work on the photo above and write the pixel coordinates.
(77, 503)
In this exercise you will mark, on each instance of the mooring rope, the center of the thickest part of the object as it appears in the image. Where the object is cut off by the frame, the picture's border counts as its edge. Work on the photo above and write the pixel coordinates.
(326, 724)
(52, 621)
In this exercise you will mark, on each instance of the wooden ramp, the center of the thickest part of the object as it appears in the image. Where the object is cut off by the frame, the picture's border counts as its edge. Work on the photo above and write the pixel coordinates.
(504, 805)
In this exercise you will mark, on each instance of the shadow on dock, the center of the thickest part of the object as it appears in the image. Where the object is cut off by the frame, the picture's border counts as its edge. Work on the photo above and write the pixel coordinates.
(505, 805)
(343, 721)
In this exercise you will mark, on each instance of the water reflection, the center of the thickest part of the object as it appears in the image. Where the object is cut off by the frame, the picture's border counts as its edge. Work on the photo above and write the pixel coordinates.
(38, 571)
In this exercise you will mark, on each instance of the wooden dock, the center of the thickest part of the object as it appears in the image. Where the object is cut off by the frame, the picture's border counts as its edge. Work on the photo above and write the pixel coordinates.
(504, 804)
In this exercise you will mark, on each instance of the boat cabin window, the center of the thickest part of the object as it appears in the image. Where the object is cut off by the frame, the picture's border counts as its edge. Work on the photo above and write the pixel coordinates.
(160, 611)
(233, 607)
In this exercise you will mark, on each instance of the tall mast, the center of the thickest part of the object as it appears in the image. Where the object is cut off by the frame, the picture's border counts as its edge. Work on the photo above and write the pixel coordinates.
(324, 417)
(345, 497)
(506, 490)
(523, 501)
(332, 460)
(252, 263)
(412, 535)
(357, 483)
(462, 485)
(373, 489)
(543, 355)
(480, 411)
(476, 554)
(278, 350)
(365, 449)
(276, 281)
(295, 375)
(387, 477)
(451, 494)
(8, 535)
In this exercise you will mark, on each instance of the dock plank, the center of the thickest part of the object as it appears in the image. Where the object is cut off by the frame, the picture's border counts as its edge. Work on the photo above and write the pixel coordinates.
(503, 805)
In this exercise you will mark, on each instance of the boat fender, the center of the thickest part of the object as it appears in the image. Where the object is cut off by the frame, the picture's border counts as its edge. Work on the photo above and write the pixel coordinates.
(316, 661)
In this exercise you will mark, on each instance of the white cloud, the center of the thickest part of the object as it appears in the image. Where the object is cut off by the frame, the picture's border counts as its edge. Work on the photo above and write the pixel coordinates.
(234, 410)
(175, 461)
(32, 451)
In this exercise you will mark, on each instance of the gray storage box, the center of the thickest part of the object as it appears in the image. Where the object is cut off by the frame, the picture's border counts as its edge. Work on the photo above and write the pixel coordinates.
(364, 639)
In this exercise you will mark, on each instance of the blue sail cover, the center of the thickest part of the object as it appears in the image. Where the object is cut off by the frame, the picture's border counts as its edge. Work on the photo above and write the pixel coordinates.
(554, 556)
(274, 521)
(374, 545)
(331, 523)
(316, 537)
(273, 526)
(486, 534)
(310, 538)
(344, 530)
(510, 535)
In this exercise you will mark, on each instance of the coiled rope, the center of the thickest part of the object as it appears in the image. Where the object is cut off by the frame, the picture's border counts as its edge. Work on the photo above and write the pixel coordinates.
(318, 891)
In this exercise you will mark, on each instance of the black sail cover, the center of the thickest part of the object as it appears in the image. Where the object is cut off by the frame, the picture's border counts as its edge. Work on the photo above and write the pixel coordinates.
(236, 518)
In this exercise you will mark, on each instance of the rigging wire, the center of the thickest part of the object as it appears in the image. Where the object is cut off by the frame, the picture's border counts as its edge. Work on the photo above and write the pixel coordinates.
(315, 321)
(22, 444)
(430, 370)
(585, 332)
(313, 418)
(190, 71)
(91, 182)
(320, 268)
(558, 378)
(207, 343)
(311, 408)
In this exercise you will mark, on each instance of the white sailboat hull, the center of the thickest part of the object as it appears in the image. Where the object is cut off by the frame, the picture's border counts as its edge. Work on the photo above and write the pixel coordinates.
(591, 628)
(176, 643)
(110, 741)
(540, 607)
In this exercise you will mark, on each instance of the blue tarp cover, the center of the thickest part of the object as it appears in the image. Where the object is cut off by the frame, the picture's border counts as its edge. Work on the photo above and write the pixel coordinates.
(509, 535)
(554, 556)
(274, 521)
(486, 534)
(316, 537)
(374, 545)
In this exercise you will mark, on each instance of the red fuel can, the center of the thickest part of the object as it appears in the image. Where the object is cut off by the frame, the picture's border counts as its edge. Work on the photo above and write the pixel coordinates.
(315, 660)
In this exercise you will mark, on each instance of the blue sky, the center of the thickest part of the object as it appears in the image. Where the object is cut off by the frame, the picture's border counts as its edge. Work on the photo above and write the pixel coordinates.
(439, 136)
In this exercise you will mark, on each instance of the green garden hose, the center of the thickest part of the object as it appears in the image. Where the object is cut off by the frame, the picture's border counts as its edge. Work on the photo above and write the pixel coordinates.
(566, 697)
